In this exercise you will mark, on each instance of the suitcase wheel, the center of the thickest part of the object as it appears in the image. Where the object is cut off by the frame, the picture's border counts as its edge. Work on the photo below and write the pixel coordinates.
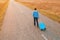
(43, 29)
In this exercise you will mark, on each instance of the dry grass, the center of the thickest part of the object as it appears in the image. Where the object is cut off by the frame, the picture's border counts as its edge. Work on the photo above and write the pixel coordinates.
(51, 10)
(3, 7)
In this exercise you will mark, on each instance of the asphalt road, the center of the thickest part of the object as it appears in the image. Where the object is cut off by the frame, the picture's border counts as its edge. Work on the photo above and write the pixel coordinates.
(18, 25)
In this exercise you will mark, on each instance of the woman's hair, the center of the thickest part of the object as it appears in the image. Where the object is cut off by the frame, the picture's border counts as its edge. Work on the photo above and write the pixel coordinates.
(35, 8)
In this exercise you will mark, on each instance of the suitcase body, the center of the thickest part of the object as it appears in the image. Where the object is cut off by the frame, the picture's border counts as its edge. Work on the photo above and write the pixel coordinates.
(42, 26)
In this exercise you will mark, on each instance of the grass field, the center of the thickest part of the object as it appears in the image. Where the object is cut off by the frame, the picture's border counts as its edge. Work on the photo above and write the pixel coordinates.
(49, 9)
(3, 6)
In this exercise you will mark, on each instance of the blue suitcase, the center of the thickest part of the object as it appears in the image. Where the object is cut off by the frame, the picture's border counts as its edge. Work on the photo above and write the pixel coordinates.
(42, 26)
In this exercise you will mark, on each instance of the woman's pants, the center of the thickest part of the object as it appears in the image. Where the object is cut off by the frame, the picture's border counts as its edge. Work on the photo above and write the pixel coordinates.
(35, 21)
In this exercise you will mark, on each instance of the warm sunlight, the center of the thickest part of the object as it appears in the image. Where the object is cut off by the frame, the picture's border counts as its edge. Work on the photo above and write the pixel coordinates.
(29, 19)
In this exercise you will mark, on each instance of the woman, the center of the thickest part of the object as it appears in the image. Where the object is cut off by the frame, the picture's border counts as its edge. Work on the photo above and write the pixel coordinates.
(35, 16)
